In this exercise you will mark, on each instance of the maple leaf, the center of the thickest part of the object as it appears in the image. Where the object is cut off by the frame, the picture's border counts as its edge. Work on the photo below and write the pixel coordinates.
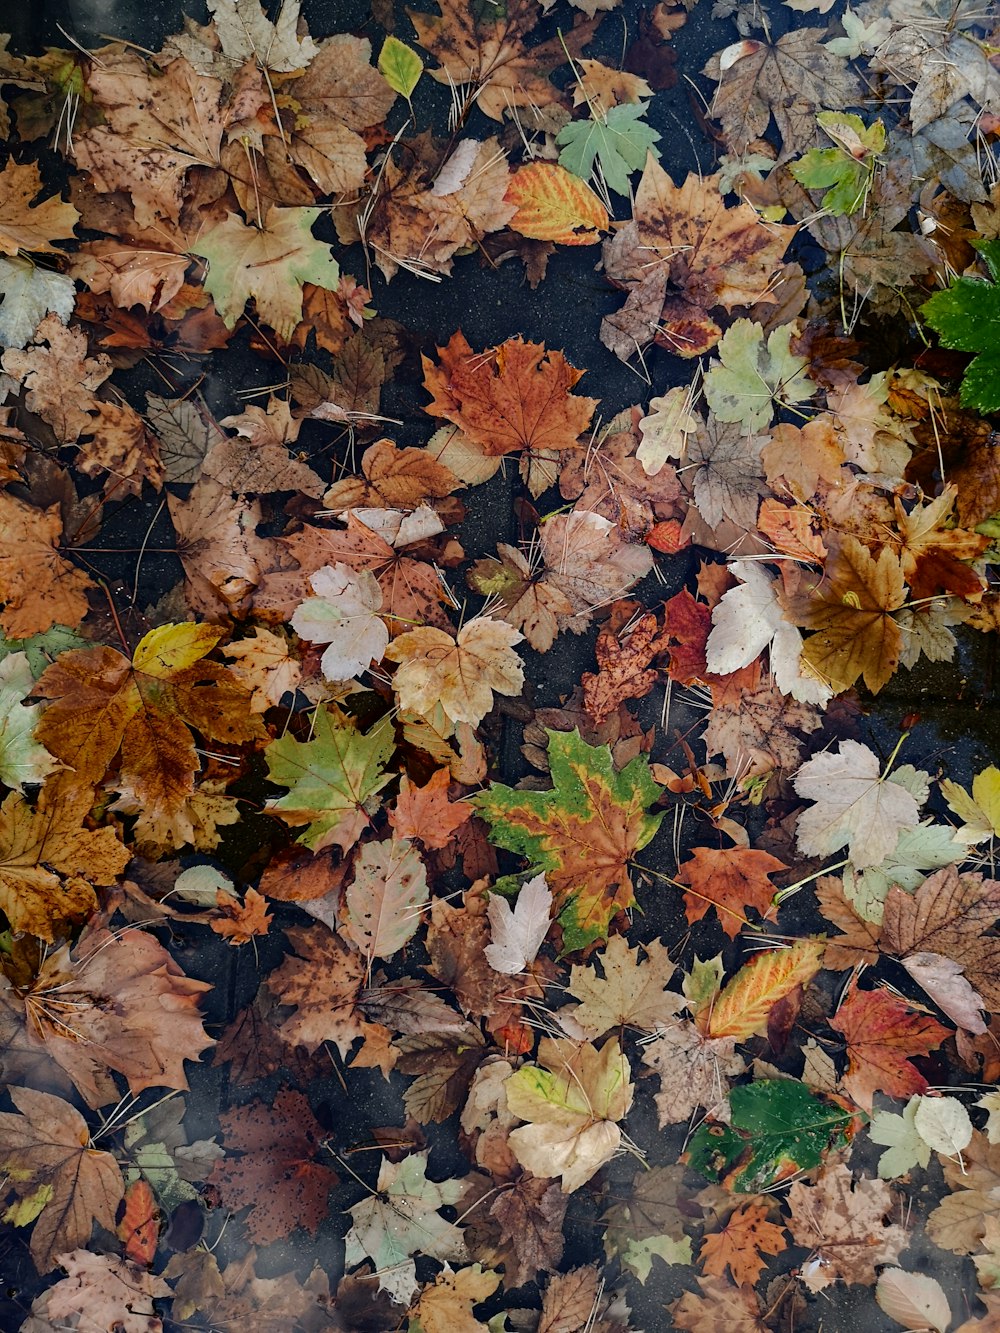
(526, 598)
(344, 614)
(517, 934)
(728, 480)
(752, 377)
(618, 140)
(116, 1002)
(553, 204)
(489, 52)
(268, 263)
(624, 668)
(102, 704)
(47, 1148)
(445, 1306)
(791, 80)
(264, 666)
(881, 1032)
(100, 1291)
(966, 317)
(856, 807)
(25, 225)
(515, 396)
(394, 478)
(842, 1221)
(758, 729)
(331, 777)
(59, 378)
(322, 979)
(402, 1219)
(385, 898)
(269, 1164)
(738, 1246)
(589, 562)
(460, 673)
(39, 586)
(583, 833)
(730, 879)
(49, 863)
(573, 1098)
(951, 914)
(629, 994)
(241, 922)
(29, 294)
(245, 33)
(719, 1300)
(155, 127)
(426, 814)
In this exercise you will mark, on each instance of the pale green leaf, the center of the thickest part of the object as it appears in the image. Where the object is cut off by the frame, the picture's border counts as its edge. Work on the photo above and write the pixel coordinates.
(637, 1256)
(29, 294)
(750, 376)
(898, 1133)
(22, 759)
(617, 142)
(400, 66)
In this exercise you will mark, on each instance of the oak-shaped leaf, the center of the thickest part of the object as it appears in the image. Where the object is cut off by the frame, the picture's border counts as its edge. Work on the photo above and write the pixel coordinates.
(730, 879)
(331, 778)
(625, 671)
(269, 263)
(401, 1219)
(102, 704)
(270, 1165)
(385, 898)
(694, 1070)
(856, 807)
(133, 1011)
(50, 862)
(882, 1032)
(461, 672)
(583, 833)
(739, 1244)
(573, 1098)
(59, 378)
(512, 397)
(321, 980)
(842, 1221)
(47, 1154)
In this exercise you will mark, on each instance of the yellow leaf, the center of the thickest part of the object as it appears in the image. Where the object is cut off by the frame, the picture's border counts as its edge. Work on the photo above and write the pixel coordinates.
(554, 205)
(743, 1005)
(170, 648)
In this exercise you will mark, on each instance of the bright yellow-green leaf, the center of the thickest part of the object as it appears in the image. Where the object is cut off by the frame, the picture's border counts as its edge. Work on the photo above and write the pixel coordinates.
(400, 66)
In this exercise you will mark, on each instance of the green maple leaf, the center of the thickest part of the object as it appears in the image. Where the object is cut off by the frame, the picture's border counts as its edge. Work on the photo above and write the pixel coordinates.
(844, 172)
(400, 1220)
(777, 1127)
(269, 263)
(751, 376)
(967, 319)
(331, 778)
(899, 1135)
(619, 141)
(29, 294)
(583, 833)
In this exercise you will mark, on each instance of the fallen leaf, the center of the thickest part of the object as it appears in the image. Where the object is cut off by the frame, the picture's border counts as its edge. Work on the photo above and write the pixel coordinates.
(730, 879)
(25, 225)
(517, 933)
(631, 993)
(445, 1306)
(384, 900)
(742, 1007)
(343, 613)
(738, 1246)
(881, 1032)
(100, 1291)
(914, 1300)
(553, 204)
(842, 1221)
(460, 673)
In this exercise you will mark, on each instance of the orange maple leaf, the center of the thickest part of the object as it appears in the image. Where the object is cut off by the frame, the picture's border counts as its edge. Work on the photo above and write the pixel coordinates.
(241, 922)
(425, 813)
(515, 396)
(746, 1235)
(730, 879)
(881, 1032)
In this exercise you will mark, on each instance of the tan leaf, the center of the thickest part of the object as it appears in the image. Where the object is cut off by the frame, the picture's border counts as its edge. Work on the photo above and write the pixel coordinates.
(59, 377)
(460, 673)
(842, 1221)
(40, 588)
(23, 227)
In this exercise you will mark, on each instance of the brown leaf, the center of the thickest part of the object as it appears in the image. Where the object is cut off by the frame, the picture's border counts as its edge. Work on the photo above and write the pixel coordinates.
(859, 943)
(274, 1170)
(426, 813)
(730, 879)
(759, 729)
(103, 1291)
(48, 1146)
(719, 1306)
(530, 1218)
(59, 378)
(951, 913)
(569, 1301)
(121, 445)
(851, 612)
(39, 586)
(394, 479)
(23, 227)
(746, 1235)
(624, 668)
(842, 1221)
(515, 396)
(321, 979)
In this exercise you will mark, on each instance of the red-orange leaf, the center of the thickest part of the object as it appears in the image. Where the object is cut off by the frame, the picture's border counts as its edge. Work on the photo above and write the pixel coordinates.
(139, 1227)
(426, 814)
(742, 1006)
(881, 1032)
(730, 879)
(555, 205)
(740, 1243)
(515, 396)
